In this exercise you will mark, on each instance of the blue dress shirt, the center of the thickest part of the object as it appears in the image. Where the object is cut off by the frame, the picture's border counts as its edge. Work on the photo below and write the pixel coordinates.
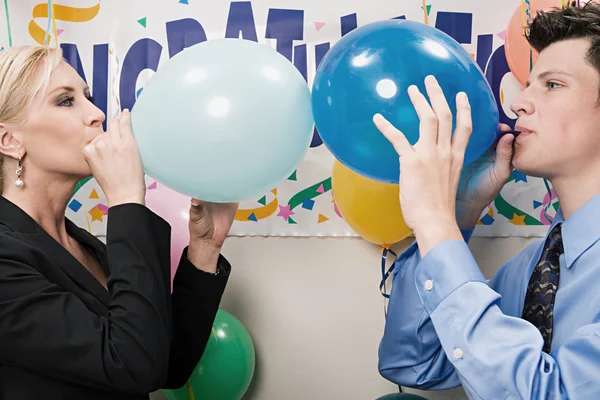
(446, 325)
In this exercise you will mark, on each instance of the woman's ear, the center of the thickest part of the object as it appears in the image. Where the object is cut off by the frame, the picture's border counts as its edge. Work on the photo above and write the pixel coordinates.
(9, 145)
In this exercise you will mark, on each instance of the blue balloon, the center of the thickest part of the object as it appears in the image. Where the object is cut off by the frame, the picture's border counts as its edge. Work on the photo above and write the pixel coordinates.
(224, 120)
(369, 71)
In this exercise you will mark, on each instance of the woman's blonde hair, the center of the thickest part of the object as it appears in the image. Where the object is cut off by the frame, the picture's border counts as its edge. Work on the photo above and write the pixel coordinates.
(24, 71)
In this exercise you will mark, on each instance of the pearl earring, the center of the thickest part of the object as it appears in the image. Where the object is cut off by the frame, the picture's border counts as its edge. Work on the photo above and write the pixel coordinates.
(19, 182)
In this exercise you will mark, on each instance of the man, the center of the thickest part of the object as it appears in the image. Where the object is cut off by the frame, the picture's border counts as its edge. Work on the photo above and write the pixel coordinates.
(522, 335)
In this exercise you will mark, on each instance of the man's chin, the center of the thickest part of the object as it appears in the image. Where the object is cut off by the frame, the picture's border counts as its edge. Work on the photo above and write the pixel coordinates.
(528, 168)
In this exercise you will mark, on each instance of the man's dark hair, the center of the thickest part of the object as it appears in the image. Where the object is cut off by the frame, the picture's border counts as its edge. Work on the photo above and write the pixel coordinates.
(570, 22)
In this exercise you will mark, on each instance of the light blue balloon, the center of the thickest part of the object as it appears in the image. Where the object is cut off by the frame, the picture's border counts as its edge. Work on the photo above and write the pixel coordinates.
(224, 120)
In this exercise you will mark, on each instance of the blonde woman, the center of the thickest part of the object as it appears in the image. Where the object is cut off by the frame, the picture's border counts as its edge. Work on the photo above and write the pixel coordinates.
(78, 319)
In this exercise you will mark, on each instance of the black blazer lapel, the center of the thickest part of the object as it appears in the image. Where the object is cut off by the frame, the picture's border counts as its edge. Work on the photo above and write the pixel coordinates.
(18, 221)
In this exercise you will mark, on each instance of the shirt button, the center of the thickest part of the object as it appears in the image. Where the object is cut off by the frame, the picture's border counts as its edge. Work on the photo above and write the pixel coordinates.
(428, 284)
(458, 353)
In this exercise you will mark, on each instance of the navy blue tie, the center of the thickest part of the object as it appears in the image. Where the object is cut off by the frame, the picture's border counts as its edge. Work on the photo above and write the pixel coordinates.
(543, 284)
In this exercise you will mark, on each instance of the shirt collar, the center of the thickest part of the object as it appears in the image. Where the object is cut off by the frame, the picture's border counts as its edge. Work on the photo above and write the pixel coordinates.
(581, 230)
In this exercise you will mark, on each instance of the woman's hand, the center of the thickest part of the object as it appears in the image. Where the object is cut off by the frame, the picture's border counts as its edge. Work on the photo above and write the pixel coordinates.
(115, 162)
(209, 227)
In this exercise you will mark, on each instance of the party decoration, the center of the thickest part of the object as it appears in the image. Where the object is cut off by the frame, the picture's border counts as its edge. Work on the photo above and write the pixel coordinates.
(310, 192)
(60, 13)
(226, 368)
(91, 45)
(255, 214)
(218, 129)
(97, 213)
(74, 205)
(370, 207)
(9, 31)
(369, 71)
(519, 55)
(174, 208)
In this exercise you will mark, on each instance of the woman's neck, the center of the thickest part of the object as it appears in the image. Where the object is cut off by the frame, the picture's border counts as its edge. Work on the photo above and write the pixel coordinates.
(44, 200)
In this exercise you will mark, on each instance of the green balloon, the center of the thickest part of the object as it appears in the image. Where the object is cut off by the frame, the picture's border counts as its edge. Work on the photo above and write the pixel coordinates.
(226, 367)
(401, 396)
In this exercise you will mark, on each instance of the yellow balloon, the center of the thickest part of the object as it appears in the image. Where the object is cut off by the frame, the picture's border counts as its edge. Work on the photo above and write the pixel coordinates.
(371, 208)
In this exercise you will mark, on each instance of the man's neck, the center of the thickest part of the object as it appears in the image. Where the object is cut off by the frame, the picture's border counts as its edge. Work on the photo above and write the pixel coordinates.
(574, 191)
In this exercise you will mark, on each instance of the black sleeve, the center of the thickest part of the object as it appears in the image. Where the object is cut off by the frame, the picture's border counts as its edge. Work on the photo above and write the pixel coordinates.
(195, 302)
(49, 331)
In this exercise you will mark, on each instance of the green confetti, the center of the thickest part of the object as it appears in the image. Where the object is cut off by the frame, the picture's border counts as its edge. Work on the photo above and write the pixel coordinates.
(309, 193)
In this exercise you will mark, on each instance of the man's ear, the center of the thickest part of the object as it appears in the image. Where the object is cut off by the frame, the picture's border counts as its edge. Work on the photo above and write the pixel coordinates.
(9, 145)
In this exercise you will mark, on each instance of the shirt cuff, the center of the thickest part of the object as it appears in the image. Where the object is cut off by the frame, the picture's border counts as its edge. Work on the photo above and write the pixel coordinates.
(223, 266)
(414, 248)
(444, 269)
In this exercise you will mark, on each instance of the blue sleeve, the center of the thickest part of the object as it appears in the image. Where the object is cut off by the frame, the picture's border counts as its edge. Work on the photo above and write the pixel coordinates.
(410, 353)
(497, 356)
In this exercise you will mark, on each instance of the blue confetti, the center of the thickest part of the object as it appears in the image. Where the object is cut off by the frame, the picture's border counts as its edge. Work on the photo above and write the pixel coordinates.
(308, 204)
(75, 205)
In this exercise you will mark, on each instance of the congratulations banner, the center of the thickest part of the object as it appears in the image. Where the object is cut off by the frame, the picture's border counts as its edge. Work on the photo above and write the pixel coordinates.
(117, 45)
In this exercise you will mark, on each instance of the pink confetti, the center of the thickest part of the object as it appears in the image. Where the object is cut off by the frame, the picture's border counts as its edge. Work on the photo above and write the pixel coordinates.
(153, 186)
(547, 200)
(285, 211)
(321, 189)
(337, 211)
(59, 31)
(102, 207)
(501, 35)
(319, 25)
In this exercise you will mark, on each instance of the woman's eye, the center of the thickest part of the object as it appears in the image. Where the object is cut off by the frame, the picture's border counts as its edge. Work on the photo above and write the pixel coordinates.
(66, 102)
